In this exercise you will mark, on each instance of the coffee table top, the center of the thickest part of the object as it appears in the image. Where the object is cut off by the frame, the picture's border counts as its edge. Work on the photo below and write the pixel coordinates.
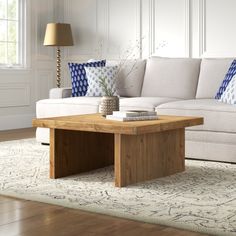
(97, 123)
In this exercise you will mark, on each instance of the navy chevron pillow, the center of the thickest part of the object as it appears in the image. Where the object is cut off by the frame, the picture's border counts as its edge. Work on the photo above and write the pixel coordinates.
(228, 77)
(78, 76)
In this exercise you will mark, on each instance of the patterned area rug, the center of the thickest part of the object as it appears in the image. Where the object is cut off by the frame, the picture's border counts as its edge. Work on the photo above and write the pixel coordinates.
(202, 199)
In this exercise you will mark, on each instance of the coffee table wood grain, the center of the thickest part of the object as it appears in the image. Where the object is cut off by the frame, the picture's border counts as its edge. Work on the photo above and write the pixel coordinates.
(139, 150)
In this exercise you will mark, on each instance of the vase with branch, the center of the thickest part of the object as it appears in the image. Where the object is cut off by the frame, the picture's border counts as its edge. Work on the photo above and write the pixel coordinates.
(110, 102)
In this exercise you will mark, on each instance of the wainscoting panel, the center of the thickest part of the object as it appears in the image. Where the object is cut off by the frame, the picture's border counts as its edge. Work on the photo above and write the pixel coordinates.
(123, 28)
(45, 81)
(217, 20)
(14, 95)
(82, 15)
(171, 28)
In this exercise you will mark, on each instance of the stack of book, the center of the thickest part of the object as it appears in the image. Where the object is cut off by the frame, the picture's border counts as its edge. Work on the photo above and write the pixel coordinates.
(132, 115)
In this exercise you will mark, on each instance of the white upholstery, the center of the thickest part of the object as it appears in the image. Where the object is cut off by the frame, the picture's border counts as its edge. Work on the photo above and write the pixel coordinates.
(171, 77)
(130, 79)
(211, 137)
(42, 135)
(166, 83)
(210, 145)
(143, 103)
(211, 75)
(210, 151)
(218, 117)
(67, 106)
(60, 93)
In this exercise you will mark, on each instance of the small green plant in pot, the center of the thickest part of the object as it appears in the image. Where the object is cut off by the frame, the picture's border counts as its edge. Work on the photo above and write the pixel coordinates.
(109, 102)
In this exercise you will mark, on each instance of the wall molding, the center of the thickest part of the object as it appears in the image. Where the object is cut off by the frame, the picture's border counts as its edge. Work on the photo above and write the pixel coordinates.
(14, 95)
(139, 31)
(138, 28)
(16, 121)
(88, 52)
(187, 28)
(45, 81)
(152, 28)
(202, 27)
(103, 17)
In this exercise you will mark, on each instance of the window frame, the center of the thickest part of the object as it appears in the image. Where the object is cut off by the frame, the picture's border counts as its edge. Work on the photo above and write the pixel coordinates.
(22, 15)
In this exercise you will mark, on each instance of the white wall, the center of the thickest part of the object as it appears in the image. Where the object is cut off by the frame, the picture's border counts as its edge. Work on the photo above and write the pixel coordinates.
(105, 29)
(20, 89)
(187, 28)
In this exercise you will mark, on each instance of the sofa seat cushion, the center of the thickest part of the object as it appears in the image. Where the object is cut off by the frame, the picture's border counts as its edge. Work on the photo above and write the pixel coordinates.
(143, 103)
(218, 117)
(171, 77)
(67, 106)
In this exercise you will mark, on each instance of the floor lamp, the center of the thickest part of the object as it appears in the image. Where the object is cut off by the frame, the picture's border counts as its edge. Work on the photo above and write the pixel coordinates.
(58, 34)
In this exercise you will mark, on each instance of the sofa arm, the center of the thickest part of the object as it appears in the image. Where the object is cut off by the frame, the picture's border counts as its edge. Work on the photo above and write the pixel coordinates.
(60, 93)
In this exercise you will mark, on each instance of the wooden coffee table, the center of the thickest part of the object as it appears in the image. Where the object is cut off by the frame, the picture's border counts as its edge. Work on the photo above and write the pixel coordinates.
(139, 150)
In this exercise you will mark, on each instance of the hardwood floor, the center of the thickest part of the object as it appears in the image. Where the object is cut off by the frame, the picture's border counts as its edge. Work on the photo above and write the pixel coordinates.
(17, 134)
(27, 218)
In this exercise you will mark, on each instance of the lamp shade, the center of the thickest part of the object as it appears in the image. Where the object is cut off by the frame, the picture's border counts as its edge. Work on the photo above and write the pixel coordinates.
(58, 34)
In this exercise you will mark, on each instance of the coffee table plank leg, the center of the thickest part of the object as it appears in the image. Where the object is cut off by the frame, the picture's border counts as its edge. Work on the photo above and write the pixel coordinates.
(73, 152)
(148, 156)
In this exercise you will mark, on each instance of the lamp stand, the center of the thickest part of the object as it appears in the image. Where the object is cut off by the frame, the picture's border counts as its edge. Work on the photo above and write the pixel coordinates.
(58, 67)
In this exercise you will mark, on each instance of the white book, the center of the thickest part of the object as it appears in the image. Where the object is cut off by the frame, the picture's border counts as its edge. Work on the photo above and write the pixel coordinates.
(124, 114)
(135, 118)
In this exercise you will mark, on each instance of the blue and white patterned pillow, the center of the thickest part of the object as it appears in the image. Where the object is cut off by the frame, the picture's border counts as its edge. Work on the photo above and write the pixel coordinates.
(229, 95)
(78, 76)
(228, 77)
(110, 74)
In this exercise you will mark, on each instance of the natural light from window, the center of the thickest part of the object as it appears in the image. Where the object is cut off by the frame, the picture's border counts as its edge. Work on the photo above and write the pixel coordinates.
(10, 35)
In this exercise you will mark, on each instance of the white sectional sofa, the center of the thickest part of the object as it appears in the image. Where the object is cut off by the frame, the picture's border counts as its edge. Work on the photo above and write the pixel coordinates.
(173, 86)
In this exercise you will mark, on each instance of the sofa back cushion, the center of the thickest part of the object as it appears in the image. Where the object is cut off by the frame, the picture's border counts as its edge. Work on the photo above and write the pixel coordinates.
(212, 73)
(171, 77)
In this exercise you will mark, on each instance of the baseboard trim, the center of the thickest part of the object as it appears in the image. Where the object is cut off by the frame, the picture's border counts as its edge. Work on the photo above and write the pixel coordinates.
(16, 121)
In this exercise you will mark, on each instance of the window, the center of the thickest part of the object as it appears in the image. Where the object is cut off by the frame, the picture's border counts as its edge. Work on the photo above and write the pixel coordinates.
(11, 33)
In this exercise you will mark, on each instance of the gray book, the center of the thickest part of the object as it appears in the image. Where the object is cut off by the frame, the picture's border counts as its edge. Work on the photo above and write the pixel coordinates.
(134, 118)
(134, 113)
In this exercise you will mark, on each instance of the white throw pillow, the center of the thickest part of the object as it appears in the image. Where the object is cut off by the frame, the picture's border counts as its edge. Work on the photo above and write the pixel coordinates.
(94, 75)
(229, 95)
